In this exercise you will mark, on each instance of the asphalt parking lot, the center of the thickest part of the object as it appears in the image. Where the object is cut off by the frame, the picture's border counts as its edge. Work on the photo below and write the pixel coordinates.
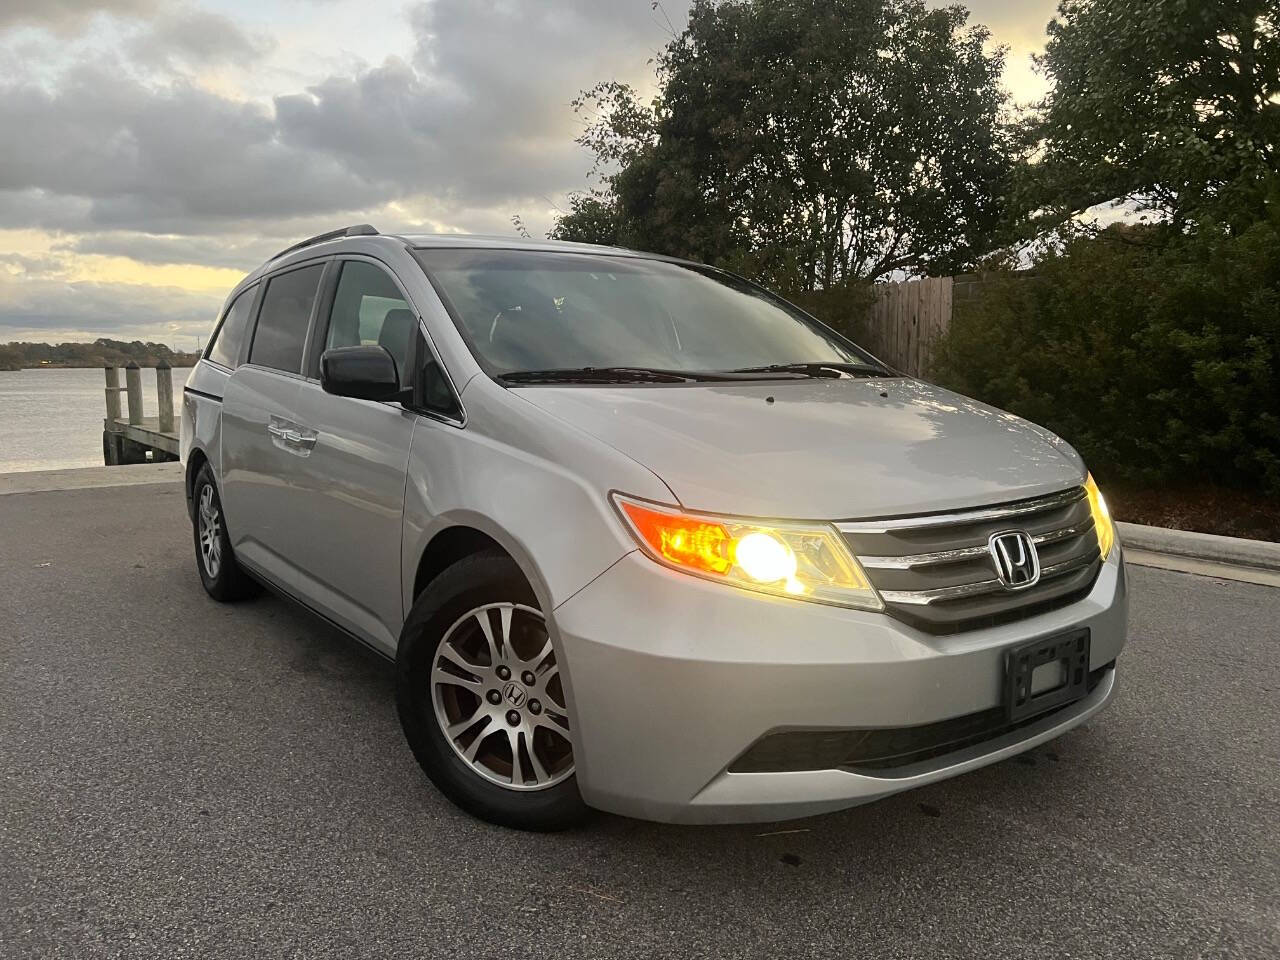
(183, 779)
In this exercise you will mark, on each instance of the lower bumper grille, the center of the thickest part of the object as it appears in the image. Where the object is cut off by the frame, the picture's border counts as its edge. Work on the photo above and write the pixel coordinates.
(882, 750)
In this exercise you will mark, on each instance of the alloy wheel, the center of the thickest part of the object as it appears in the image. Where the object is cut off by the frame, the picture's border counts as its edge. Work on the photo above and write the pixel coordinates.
(498, 697)
(210, 532)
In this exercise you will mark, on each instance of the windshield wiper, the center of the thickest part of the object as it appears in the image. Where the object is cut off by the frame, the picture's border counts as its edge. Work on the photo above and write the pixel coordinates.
(832, 370)
(608, 375)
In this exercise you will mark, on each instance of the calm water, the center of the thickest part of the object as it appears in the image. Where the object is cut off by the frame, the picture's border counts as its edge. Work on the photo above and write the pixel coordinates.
(50, 419)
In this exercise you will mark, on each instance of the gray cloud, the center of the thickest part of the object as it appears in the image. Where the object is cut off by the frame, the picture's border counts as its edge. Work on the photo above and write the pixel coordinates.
(123, 154)
(218, 250)
(196, 38)
(35, 207)
(66, 15)
(49, 309)
(482, 112)
(481, 116)
(40, 264)
(163, 159)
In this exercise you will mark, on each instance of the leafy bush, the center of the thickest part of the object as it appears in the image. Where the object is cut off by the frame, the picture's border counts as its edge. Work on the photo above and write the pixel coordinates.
(1154, 356)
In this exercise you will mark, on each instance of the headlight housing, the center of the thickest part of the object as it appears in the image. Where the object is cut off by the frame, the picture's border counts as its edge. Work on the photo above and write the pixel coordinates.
(1102, 523)
(808, 561)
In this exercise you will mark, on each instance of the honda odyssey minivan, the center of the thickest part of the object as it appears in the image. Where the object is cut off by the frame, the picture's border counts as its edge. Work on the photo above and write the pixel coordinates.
(640, 535)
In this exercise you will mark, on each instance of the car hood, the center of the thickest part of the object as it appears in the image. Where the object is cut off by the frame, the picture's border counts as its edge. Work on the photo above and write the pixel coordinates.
(820, 449)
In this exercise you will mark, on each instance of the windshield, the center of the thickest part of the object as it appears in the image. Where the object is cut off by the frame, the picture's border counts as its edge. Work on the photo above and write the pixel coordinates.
(531, 312)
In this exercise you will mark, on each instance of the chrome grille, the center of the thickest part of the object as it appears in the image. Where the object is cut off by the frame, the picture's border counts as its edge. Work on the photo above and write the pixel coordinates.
(936, 571)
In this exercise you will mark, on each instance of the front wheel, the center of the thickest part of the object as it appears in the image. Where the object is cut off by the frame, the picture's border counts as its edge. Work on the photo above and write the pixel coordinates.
(481, 698)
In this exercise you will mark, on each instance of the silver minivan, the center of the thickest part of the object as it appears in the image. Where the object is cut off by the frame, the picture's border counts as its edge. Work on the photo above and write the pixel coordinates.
(638, 534)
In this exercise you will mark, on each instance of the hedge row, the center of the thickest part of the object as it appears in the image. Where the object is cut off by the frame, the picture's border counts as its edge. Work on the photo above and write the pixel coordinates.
(1156, 358)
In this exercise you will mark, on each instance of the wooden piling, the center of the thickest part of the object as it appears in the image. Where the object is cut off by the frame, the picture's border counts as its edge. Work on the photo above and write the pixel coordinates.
(113, 392)
(133, 392)
(164, 396)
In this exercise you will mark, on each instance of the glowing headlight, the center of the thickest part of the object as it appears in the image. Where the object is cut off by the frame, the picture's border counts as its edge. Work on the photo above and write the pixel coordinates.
(809, 561)
(764, 558)
(1101, 517)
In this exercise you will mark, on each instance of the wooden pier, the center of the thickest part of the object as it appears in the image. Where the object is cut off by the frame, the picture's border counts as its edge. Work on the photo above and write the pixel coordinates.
(133, 438)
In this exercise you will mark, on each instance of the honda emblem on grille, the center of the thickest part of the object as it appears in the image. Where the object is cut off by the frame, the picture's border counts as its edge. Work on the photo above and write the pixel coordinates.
(1015, 557)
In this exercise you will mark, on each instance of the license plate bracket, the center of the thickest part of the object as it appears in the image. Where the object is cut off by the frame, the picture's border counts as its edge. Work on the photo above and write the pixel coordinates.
(1071, 650)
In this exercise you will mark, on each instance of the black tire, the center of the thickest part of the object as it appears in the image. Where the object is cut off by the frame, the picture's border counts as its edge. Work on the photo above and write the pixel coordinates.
(226, 581)
(471, 583)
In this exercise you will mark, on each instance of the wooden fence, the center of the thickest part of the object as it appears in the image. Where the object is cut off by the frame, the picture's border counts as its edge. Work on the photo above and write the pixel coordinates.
(905, 320)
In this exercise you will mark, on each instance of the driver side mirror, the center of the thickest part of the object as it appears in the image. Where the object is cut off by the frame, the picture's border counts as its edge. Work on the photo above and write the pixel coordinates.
(364, 372)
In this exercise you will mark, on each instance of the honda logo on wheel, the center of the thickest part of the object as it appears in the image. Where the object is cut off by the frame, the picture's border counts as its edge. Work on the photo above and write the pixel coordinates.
(515, 694)
(1015, 557)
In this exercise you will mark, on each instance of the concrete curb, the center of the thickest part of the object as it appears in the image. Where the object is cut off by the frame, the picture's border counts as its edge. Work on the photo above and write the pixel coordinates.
(85, 478)
(1201, 546)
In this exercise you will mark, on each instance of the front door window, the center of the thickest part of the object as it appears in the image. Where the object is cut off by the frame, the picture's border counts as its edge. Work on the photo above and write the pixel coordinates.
(368, 308)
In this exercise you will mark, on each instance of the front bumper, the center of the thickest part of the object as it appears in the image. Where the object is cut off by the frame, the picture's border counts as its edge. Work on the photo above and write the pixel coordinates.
(671, 678)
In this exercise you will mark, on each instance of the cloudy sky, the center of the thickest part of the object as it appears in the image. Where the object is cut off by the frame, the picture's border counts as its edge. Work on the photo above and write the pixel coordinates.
(154, 151)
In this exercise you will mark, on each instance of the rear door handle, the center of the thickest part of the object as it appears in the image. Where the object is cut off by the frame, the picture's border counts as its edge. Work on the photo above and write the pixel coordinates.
(290, 434)
(285, 434)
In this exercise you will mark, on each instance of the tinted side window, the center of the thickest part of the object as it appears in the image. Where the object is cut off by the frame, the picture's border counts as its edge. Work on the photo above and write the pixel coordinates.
(282, 321)
(229, 337)
(368, 308)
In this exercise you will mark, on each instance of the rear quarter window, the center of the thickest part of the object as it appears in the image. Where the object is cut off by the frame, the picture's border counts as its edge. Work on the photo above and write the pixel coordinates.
(228, 338)
(284, 318)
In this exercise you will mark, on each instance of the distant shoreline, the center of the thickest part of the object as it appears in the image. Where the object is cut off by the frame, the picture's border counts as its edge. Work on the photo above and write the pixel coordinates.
(177, 361)
(103, 352)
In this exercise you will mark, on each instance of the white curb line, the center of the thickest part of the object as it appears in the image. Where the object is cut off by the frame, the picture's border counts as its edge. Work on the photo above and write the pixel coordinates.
(1201, 546)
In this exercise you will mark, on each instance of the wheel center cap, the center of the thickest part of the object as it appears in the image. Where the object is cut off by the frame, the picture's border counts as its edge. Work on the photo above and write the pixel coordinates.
(514, 694)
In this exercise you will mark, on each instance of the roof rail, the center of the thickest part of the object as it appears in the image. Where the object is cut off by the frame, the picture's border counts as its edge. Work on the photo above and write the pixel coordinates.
(355, 230)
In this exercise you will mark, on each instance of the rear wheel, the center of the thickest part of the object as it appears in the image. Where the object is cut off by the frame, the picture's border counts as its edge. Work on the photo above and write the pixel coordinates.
(482, 701)
(219, 572)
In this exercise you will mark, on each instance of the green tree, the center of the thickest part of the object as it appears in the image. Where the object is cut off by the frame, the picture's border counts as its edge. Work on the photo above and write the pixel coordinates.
(808, 143)
(592, 218)
(1173, 105)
